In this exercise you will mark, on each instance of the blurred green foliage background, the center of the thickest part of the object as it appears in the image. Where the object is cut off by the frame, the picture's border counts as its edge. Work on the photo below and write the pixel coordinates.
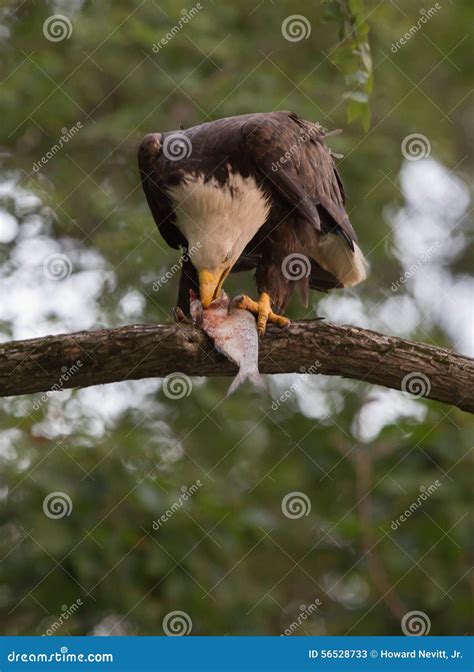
(228, 557)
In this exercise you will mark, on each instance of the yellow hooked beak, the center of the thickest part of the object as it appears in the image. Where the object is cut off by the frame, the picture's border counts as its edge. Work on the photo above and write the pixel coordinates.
(210, 284)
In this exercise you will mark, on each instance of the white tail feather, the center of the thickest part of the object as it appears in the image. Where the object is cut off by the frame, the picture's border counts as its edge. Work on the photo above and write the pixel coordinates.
(334, 254)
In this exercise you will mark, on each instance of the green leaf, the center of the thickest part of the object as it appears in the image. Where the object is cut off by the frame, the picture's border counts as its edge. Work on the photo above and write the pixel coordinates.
(358, 96)
(359, 77)
(353, 56)
(358, 110)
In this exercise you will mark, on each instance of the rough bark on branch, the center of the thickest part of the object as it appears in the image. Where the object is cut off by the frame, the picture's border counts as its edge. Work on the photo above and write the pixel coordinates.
(143, 351)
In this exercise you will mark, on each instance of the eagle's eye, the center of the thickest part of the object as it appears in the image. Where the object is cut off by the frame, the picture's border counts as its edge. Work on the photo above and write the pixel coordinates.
(227, 256)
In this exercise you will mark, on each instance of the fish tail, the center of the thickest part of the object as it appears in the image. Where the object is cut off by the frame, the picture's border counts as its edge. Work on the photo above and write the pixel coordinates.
(253, 376)
(257, 380)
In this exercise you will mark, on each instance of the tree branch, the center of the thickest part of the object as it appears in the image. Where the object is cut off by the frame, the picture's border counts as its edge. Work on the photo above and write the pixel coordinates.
(126, 353)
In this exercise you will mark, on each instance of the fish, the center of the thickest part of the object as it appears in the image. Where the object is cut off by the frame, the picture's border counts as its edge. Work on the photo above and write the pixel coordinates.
(234, 333)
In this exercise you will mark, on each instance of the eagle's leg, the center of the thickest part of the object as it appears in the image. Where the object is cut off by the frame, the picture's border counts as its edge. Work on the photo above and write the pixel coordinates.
(261, 308)
(187, 281)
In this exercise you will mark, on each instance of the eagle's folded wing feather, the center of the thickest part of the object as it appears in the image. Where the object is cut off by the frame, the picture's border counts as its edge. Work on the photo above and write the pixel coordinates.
(292, 156)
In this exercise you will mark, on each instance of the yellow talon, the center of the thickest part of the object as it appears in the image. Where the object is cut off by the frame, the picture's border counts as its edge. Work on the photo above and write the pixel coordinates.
(263, 311)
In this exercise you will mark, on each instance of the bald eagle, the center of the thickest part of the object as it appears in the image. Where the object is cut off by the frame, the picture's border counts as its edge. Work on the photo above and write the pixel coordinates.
(256, 191)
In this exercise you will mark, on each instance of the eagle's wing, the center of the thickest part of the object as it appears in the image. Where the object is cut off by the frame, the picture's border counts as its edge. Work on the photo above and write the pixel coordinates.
(246, 262)
(151, 166)
(291, 155)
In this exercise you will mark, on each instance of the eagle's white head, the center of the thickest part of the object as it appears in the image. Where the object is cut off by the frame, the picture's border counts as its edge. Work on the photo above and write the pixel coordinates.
(218, 221)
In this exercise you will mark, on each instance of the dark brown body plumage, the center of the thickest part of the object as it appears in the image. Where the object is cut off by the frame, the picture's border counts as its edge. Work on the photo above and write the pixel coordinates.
(304, 190)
